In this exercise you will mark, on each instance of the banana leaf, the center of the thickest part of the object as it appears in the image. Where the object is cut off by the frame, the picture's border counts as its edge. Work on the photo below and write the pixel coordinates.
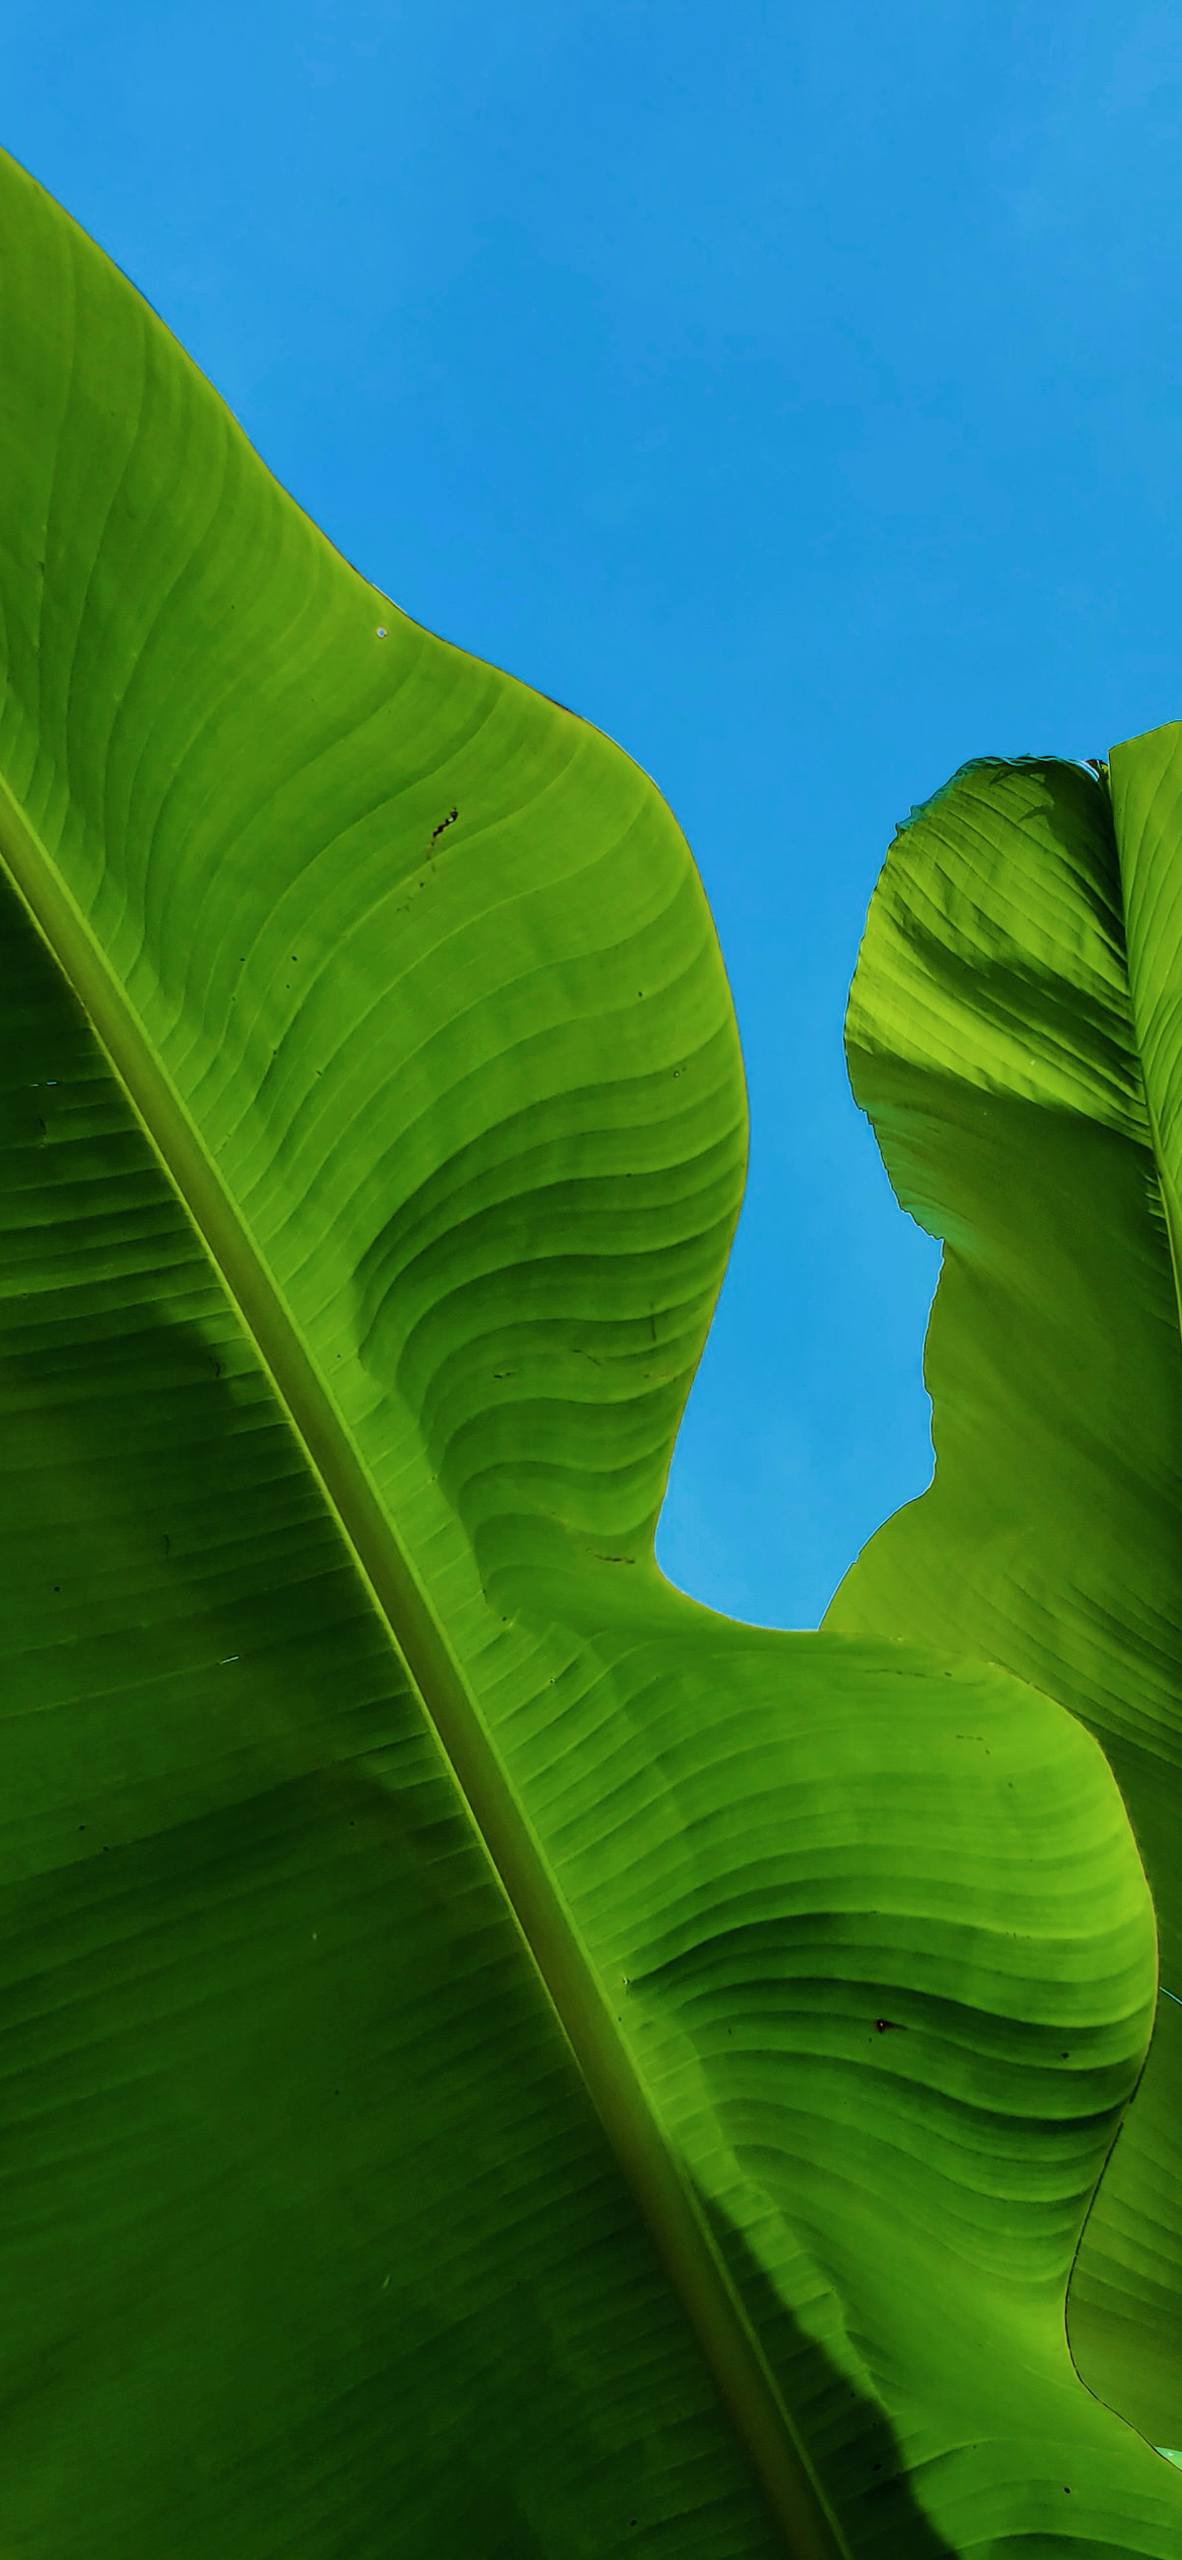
(495, 2058)
(1014, 1033)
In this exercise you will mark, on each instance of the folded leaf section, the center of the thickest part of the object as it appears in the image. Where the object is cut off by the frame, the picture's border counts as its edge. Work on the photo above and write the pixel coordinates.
(1009, 1035)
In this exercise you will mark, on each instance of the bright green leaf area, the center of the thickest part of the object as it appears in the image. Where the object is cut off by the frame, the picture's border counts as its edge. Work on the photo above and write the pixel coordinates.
(497, 2060)
(1015, 1031)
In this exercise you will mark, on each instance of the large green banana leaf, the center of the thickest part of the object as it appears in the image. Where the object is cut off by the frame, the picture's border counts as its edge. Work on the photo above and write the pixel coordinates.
(1015, 1031)
(496, 2060)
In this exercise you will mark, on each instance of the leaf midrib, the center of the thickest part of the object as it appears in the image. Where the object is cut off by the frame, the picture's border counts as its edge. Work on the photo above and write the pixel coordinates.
(546, 1925)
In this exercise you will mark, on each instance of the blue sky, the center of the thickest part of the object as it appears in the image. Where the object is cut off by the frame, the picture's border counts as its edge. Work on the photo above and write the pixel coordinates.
(795, 391)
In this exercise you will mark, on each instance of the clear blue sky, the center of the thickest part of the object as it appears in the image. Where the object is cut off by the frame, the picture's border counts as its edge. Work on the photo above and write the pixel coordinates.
(795, 391)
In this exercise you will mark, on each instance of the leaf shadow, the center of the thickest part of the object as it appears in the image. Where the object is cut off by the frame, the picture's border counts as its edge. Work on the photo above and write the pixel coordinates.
(851, 2446)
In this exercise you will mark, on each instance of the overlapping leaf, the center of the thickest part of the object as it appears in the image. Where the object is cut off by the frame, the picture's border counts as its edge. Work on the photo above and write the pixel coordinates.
(495, 2057)
(1014, 1034)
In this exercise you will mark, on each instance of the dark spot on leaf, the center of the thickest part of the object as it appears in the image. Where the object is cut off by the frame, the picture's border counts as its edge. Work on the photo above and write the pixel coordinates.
(886, 2026)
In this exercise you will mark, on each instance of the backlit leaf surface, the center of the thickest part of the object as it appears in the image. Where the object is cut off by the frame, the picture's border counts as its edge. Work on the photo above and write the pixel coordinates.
(496, 2058)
